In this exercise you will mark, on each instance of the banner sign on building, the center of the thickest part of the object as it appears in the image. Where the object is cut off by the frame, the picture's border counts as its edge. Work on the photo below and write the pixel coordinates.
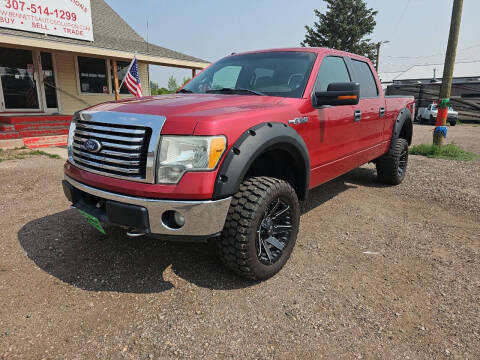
(67, 18)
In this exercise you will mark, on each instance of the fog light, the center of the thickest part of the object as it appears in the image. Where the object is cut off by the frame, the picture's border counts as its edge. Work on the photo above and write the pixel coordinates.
(179, 219)
(173, 219)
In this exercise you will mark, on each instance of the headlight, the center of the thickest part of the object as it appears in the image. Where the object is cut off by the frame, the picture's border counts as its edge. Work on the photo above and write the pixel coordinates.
(179, 154)
(71, 132)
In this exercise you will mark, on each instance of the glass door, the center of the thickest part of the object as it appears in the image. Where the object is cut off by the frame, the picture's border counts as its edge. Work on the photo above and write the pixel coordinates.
(19, 84)
(49, 86)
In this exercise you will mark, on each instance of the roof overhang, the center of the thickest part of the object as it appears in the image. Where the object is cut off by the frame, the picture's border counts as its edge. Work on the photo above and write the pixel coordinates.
(21, 41)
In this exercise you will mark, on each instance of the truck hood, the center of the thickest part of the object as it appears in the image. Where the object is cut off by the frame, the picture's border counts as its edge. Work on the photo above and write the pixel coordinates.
(184, 111)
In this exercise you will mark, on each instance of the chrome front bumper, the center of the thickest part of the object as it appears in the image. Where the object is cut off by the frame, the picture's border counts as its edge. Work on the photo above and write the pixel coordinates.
(203, 218)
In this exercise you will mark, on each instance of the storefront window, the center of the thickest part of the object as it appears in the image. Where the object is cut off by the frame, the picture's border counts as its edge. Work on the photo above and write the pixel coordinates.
(122, 68)
(93, 75)
(17, 73)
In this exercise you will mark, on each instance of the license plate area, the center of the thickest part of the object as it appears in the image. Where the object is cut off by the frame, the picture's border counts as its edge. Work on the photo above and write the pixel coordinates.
(93, 221)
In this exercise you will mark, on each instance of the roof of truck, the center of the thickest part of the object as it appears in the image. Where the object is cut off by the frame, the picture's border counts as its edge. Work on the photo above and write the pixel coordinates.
(318, 50)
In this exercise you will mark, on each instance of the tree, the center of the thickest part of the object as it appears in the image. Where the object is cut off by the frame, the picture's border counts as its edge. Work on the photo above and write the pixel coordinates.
(185, 80)
(153, 86)
(172, 84)
(344, 26)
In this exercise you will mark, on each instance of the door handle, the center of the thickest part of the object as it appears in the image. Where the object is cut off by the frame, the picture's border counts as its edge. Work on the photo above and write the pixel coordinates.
(382, 112)
(358, 115)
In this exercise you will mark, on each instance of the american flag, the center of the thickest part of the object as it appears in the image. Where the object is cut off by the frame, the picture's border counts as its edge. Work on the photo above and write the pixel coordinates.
(132, 79)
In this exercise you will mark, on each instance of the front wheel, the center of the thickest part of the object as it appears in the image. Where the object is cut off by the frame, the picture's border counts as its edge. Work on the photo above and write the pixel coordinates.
(452, 122)
(261, 228)
(392, 167)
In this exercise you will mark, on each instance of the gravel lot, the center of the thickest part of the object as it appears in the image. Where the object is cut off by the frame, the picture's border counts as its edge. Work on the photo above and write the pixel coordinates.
(378, 273)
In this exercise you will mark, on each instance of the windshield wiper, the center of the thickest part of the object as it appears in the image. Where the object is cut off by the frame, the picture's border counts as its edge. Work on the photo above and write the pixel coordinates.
(186, 91)
(236, 91)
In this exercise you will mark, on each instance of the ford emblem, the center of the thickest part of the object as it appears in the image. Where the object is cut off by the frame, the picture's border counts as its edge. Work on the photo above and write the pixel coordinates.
(92, 145)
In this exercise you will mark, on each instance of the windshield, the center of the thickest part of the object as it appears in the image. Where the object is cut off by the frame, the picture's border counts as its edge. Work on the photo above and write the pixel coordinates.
(282, 74)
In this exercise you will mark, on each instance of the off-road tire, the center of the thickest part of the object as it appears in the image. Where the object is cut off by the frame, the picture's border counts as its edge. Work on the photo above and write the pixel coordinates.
(237, 244)
(388, 165)
(432, 120)
(452, 122)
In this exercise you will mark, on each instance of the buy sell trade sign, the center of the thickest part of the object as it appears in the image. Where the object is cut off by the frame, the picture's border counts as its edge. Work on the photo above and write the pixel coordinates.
(67, 18)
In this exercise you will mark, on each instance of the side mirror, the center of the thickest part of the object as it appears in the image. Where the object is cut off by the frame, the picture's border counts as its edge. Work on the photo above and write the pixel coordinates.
(338, 94)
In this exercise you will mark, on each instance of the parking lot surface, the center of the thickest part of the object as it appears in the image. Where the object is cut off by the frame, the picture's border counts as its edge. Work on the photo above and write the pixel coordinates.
(377, 273)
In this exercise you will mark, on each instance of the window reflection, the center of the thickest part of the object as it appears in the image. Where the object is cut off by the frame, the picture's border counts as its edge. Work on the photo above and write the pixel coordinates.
(18, 79)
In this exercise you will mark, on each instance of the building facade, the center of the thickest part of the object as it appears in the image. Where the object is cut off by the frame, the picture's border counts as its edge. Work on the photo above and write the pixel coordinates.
(464, 72)
(47, 74)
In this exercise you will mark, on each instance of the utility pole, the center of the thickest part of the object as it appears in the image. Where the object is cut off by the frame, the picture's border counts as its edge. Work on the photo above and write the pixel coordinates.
(378, 52)
(440, 132)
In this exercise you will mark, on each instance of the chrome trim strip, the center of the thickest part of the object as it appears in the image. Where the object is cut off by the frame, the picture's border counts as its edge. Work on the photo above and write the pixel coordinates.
(111, 152)
(154, 122)
(112, 129)
(109, 137)
(108, 167)
(106, 159)
(126, 177)
(114, 145)
(202, 218)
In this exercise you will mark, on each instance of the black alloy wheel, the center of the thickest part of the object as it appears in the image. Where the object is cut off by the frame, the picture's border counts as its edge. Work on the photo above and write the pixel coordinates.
(261, 228)
(274, 232)
(392, 167)
(402, 163)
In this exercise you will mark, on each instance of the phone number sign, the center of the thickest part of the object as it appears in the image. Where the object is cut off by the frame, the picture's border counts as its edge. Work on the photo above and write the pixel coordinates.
(67, 18)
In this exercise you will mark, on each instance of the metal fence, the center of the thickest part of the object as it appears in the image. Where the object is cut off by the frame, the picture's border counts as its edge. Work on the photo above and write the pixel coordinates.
(465, 97)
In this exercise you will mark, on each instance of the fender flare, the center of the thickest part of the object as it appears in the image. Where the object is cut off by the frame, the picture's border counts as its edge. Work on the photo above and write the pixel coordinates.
(253, 143)
(404, 118)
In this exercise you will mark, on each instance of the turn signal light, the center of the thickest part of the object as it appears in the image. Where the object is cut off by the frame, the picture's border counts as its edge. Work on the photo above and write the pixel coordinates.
(217, 147)
(347, 97)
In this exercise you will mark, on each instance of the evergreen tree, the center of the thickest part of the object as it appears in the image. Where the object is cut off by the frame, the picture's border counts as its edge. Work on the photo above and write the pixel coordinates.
(344, 26)
(153, 85)
(172, 84)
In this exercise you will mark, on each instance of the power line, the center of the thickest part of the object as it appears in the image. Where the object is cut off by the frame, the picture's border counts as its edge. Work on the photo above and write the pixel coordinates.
(432, 55)
(403, 13)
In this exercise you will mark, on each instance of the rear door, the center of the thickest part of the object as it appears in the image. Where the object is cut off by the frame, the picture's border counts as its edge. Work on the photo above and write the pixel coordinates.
(370, 111)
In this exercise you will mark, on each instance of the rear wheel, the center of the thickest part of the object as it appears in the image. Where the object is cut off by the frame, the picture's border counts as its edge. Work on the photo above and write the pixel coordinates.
(261, 228)
(392, 167)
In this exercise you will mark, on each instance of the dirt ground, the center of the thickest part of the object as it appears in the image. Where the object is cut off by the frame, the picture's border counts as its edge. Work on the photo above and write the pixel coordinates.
(378, 273)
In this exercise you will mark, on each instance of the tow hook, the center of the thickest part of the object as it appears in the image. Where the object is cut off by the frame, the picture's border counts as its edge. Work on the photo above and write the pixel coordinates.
(134, 233)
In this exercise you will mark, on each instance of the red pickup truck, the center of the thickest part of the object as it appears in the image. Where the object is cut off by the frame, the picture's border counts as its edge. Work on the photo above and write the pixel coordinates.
(234, 151)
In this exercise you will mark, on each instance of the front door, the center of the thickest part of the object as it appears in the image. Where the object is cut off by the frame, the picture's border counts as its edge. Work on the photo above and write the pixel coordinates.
(49, 88)
(19, 88)
(337, 131)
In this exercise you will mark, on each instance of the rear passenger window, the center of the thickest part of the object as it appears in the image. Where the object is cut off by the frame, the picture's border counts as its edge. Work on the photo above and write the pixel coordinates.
(332, 70)
(368, 86)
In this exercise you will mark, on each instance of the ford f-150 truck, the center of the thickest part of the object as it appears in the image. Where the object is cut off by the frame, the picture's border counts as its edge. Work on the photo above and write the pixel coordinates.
(233, 152)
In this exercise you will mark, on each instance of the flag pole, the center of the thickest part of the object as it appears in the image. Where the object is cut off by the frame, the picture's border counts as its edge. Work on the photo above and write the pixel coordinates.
(115, 80)
(128, 70)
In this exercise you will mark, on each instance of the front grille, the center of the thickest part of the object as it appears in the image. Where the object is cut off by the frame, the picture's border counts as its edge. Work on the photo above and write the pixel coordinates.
(123, 150)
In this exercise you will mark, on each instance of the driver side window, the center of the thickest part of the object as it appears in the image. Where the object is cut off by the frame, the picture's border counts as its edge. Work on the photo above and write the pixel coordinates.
(226, 77)
(332, 70)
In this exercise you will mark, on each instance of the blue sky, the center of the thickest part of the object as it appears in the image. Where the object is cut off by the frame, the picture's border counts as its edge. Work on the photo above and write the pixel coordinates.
(210, 29)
